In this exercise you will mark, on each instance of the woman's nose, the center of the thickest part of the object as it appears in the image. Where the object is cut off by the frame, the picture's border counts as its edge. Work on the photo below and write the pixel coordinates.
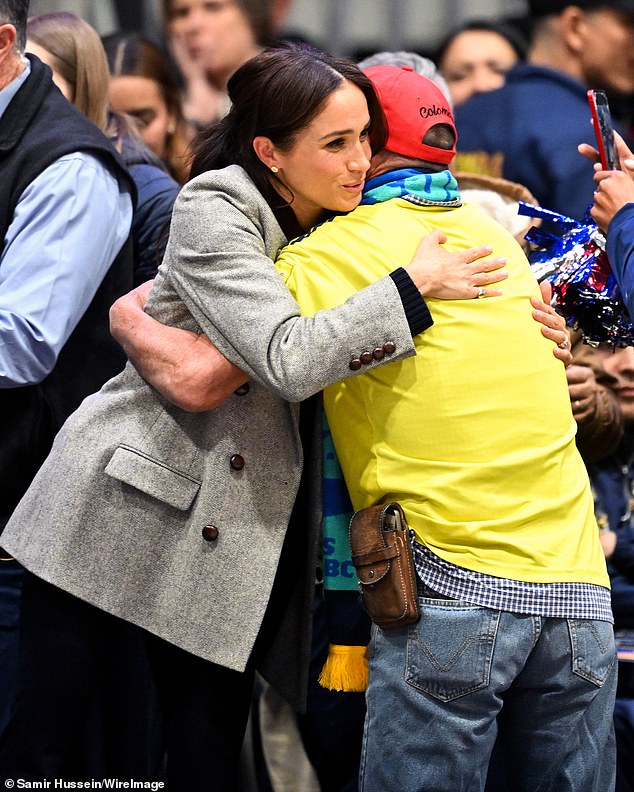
(360, 160)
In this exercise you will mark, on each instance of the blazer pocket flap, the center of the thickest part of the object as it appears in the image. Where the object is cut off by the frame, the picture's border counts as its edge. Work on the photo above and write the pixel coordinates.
(153, 477)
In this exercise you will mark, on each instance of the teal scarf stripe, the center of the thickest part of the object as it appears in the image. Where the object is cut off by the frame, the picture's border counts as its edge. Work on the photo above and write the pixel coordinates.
(431, 188)
(339, 573)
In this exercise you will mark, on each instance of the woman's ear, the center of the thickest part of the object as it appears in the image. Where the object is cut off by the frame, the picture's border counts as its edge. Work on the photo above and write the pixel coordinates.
(265, 151)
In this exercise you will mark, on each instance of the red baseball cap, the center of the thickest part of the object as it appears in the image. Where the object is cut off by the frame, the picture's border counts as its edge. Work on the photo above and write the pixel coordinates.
(412, 104)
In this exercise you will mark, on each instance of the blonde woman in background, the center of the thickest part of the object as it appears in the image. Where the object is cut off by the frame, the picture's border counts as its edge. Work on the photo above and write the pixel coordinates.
(75, 54)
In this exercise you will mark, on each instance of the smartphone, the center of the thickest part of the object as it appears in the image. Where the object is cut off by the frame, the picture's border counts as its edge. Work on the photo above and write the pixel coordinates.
(603, 129)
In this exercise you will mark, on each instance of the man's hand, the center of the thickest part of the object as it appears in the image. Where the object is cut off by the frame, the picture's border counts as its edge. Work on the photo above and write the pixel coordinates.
(186, 368)
(582, 386)
(622, 149)
(461, 275)
(614, 188)
(124, 313)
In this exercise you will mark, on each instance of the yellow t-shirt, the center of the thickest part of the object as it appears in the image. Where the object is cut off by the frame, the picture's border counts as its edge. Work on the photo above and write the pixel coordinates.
(474, 436)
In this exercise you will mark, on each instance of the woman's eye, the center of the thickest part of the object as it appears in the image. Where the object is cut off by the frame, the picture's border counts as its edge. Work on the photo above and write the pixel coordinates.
(143, 118)
(216, 5)
(337, 143)
(177, 13)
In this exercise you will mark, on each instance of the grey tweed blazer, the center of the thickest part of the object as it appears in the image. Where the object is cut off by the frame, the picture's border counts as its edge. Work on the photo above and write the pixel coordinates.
(174, 521)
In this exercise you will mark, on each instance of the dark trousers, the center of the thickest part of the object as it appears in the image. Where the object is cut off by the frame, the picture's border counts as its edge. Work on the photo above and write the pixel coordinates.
(332, 726)
(66, 649)
(10, 586)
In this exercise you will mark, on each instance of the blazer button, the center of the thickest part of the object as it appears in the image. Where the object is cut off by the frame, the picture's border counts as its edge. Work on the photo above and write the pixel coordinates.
(236, 462)
(379, 353)
(210, 533)
(242, 390)
(366, 358)
(355, 364)
(389, 347)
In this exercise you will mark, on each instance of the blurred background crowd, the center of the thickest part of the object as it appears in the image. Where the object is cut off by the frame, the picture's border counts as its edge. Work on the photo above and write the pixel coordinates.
(344, 26)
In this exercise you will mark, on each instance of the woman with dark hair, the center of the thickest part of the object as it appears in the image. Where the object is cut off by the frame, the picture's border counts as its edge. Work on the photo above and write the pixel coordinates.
(142, 86)
(177, 521)
(209, 41)
(475, 57)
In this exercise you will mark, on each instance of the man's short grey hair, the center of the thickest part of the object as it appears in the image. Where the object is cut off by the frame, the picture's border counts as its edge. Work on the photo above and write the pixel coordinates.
(424, 66)
(16, 12)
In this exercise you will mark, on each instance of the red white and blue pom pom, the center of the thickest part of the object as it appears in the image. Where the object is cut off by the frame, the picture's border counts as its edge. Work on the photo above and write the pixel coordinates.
(571, 256)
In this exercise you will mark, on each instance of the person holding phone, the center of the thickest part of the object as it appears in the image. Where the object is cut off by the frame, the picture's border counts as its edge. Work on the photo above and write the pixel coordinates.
(528, 130)
(613, 211)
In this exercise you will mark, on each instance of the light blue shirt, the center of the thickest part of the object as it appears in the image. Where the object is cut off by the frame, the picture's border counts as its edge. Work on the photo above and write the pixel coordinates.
(68, 227)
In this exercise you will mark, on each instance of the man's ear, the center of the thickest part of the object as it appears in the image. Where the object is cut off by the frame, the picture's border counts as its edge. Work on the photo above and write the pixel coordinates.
(265, 151)
(574, 28)
(8, 36)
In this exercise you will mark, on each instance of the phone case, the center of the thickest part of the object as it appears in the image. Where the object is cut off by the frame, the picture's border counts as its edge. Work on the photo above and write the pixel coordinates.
(603, 129)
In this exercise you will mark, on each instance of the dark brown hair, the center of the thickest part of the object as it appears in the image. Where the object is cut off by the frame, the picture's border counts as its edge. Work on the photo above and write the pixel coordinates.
(505, 30)
(129, 54)
(277, 94)
(258, 12)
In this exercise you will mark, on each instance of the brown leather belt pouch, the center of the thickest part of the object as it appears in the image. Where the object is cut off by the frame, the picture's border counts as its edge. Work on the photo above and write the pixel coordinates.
(382, 555)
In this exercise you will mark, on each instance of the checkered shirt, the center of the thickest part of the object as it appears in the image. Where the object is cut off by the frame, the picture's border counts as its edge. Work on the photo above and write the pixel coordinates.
(556, 600)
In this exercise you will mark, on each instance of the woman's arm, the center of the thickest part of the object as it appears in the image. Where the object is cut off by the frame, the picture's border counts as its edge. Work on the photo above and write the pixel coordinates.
(219, 264)
(187, 369)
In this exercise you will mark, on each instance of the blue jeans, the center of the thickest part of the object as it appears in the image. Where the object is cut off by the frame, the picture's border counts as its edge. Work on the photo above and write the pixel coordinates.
(442, 689)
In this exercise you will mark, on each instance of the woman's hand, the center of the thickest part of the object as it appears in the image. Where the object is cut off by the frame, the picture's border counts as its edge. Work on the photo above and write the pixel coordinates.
(202, 102)
(553, 325)
(460, 275)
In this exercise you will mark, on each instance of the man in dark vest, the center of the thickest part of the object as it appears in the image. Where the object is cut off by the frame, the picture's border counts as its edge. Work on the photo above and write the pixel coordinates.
(66, 204)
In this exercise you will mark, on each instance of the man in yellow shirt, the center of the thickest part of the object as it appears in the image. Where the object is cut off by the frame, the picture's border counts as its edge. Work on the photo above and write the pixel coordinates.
(475, 438)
